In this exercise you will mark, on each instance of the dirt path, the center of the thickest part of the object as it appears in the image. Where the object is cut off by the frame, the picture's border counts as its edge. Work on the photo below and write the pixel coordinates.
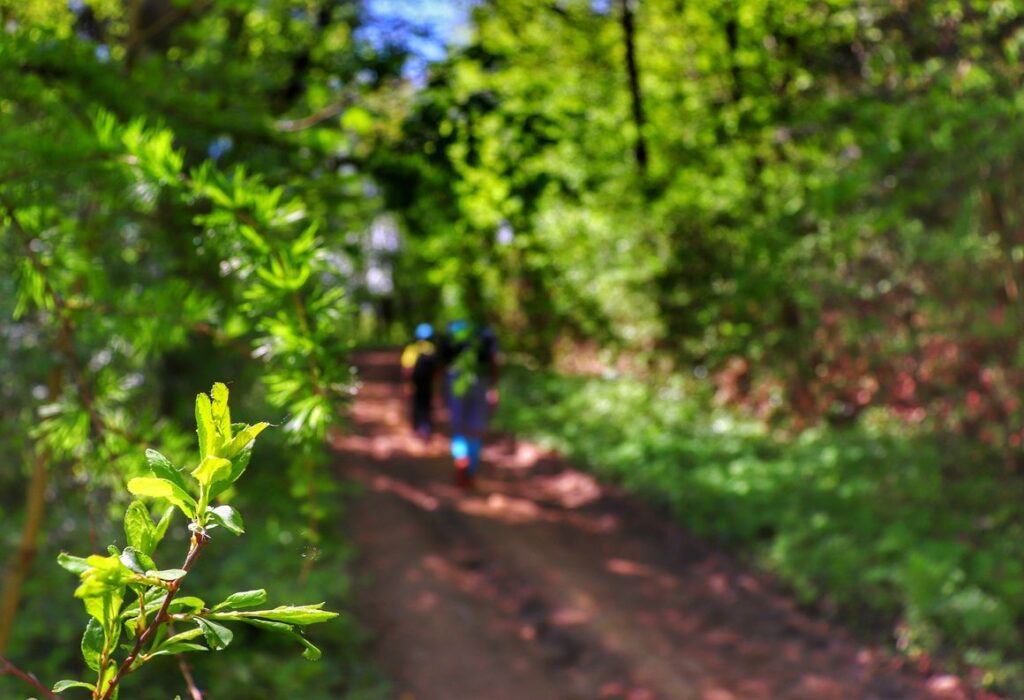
(545, 585)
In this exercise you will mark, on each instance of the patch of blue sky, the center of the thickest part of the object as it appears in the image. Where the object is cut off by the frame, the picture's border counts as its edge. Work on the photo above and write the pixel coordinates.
(425, 28)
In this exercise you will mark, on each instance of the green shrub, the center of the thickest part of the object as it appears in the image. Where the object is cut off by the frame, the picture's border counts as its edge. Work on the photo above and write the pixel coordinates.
(872, 519)
(133, 604)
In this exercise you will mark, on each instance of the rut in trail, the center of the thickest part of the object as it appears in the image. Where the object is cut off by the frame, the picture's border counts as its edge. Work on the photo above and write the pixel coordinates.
(544, 585)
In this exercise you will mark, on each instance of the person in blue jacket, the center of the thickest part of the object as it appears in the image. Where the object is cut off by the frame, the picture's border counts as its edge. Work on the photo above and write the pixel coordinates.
(470, 359)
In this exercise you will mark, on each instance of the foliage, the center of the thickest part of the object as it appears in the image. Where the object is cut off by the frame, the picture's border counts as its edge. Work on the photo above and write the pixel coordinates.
(179, 184)
(815, 203)
(225, 449)
(825, 220)
(890, 529)
(831, 193)
(197, 204)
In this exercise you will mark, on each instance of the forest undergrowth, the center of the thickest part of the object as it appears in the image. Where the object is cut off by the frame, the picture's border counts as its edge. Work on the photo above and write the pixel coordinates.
(910, 536)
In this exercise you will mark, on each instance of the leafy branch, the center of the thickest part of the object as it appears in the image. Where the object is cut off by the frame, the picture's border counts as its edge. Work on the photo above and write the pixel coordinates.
(225, 449)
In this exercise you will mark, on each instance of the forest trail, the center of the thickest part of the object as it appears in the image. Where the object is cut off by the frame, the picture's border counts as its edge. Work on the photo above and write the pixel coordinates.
(543, 584)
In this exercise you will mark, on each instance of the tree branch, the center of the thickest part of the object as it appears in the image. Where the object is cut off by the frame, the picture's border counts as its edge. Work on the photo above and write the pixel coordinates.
(186, 673)
(328, 112)
(626, 18)
(199, 540)
(9, 669)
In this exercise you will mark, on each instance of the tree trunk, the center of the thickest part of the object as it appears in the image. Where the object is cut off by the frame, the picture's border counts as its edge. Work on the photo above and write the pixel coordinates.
(21, 561)
(133, 43)
(633, 72)
(732, 38)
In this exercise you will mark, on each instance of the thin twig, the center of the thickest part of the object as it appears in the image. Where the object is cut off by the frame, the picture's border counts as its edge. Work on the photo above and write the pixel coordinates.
(199, 541)
(186, 673)
(9, 669)
(328, 112)
(14, 175)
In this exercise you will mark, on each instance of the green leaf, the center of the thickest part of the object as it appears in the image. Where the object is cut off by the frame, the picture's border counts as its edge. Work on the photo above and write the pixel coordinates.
(139, 529)
(187, 602)
(163, 469)
(155, 599)
(217, 636)
(242, 600)
(104, 574)
(161, 527)
(166, 574)
(298, 614)
(291, 614)
(212, 469)
(227, 517)
(76, 565)
(137, 561)
(185, 636)
(220, 411)
(61, 686)
(92, 644)
(162, 488)
(178, 648)
(102, 592)
(205, 426)
(105, 607)
(239, 462)
(247, 435)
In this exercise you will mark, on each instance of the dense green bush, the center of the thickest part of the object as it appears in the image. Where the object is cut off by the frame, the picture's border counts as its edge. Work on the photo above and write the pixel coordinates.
(133, 605)
(913, 531)
(46, 636)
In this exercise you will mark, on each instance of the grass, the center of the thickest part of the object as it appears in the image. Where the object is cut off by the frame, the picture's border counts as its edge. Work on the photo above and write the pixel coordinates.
(913, 531)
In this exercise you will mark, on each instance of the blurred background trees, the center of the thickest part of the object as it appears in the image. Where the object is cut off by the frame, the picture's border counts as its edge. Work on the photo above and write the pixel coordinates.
(825, 190)
(815, 204)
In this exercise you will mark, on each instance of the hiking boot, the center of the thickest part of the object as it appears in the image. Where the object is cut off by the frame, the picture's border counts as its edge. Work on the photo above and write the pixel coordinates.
(463, 479)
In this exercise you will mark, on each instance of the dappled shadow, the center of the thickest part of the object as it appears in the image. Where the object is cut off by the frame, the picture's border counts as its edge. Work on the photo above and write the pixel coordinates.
(549, 582)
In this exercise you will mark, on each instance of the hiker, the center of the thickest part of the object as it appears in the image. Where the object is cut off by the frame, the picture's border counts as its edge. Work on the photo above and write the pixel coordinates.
(419, 367)
(470, 360)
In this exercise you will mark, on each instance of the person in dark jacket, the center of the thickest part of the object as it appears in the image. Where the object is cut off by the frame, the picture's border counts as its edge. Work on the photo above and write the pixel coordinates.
(419, 367)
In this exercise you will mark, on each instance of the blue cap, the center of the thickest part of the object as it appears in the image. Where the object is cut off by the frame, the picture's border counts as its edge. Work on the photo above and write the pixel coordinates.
(424, 331)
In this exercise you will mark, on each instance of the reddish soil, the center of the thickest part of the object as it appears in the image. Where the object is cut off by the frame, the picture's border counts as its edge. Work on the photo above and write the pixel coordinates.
(543, 584)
